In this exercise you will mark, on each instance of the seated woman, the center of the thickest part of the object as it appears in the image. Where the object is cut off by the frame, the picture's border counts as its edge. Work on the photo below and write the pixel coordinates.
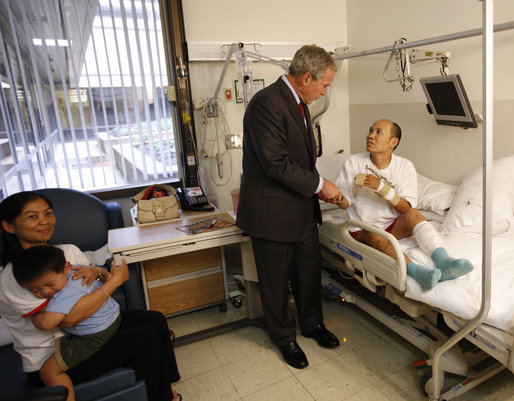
(143, 340)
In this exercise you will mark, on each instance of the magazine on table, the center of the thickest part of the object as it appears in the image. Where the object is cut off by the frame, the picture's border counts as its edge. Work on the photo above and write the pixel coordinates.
(202, 226)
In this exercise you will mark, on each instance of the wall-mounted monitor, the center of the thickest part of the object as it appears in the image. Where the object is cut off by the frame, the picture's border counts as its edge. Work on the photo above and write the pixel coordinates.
(448, 102)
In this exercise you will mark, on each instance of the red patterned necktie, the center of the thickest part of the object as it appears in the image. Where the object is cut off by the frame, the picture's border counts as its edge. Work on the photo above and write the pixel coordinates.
(302, 109)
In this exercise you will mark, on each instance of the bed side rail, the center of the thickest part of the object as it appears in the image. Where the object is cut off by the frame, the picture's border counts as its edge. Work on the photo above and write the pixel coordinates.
(377, 268)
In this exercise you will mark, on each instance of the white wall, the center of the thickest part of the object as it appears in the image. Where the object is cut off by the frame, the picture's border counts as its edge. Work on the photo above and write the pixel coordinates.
(443, 153)
(359, 93)
(286, 21)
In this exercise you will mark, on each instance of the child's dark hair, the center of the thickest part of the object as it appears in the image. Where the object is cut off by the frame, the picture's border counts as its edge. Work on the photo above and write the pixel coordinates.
(35, 261)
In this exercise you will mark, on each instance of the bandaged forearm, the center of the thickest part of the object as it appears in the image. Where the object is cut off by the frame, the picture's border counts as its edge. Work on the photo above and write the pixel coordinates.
(384, 190)
(388, 193)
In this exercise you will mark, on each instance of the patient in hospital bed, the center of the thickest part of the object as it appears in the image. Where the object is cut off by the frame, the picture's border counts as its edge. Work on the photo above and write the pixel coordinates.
(380, 188)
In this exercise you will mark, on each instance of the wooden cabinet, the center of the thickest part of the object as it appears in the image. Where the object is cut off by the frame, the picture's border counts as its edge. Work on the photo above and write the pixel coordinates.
(186, 281)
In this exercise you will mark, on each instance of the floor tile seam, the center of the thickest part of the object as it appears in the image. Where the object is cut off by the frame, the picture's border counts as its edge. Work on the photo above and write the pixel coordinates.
(364, 386)
(372, 377)
(260, 389)
(411, 388)
(283, 364)
(196, 375)
(314, 364)
(282, 380)
(241, 396)
(226, 362)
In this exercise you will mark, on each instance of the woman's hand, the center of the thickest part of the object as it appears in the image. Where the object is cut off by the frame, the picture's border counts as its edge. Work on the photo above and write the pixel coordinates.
(88, 274)
(89, 304)
(120, 273)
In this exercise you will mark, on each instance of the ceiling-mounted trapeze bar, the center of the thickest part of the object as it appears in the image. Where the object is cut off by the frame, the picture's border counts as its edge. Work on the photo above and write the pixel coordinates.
(419, 43)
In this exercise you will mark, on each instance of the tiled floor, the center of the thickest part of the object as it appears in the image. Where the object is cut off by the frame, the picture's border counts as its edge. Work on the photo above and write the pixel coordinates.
(372, 363)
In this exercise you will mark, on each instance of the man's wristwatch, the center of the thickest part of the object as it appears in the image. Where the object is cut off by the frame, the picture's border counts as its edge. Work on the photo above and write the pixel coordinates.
(99, 278)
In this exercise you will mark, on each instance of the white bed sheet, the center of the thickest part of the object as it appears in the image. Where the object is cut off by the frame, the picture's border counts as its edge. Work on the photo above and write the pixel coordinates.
(462, 296)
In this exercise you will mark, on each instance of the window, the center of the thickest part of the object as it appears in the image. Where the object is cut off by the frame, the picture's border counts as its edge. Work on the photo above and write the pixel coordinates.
(83, 95)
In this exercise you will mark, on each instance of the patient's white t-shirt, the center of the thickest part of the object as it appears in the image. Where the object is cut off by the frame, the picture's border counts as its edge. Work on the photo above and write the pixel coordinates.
(34, 345)
(365, 204)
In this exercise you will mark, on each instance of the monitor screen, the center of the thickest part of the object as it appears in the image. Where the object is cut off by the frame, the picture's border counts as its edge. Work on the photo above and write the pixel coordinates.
(448, 101)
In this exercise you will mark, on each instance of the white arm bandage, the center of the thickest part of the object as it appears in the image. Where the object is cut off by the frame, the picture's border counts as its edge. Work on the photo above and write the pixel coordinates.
(388, 193)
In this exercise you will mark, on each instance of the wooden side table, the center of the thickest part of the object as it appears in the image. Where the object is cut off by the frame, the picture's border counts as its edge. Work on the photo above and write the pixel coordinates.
(183, 272)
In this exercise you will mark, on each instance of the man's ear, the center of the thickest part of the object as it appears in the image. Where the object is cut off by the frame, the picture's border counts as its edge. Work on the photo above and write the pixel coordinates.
(8, 227)
(396, 141)
(306, 78)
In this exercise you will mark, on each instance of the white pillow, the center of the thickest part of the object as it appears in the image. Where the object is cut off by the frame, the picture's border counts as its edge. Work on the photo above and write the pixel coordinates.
(432, 216)
(329, 166)
(434, 195)
(465, 215)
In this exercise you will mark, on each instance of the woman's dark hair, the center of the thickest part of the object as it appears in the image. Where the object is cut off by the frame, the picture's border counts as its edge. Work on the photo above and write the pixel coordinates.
(33, 262)
(10, 208)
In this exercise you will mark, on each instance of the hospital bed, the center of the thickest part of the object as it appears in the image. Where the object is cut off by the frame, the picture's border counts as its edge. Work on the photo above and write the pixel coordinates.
(489, 347)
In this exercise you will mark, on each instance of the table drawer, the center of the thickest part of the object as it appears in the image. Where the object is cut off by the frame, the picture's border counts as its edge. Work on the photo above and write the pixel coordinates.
(176, 265)
(190, 293)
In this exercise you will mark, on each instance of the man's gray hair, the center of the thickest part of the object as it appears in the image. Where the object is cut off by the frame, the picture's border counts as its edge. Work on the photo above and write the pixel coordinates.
(313, 59)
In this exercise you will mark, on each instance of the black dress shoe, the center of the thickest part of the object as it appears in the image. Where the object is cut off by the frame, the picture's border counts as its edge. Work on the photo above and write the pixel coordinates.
(324, 337)
(294, 355)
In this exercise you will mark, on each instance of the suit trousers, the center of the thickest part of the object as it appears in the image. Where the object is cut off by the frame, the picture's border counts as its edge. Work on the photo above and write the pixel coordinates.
(297, 263)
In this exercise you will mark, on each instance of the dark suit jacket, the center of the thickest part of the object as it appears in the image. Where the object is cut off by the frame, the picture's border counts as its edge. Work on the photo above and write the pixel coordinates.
(276, 200)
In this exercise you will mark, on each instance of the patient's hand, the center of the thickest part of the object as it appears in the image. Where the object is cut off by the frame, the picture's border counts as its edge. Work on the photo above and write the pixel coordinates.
(330, 192)
(367, 181)
(343, 203)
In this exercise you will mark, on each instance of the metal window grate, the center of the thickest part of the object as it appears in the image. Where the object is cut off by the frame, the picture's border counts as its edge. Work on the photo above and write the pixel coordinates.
(83, 95)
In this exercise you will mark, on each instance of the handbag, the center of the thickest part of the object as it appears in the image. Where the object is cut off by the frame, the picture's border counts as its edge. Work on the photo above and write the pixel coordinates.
(157, 203)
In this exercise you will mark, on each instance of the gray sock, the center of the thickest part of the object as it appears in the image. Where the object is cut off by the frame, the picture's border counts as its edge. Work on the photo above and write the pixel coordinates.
(450, 268)
(428, 278)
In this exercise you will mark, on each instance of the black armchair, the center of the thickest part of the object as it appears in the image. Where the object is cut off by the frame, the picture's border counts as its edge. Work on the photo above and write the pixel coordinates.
(82, 220)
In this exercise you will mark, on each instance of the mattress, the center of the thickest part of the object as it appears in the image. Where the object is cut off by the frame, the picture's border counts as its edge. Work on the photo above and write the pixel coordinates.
(462, 296)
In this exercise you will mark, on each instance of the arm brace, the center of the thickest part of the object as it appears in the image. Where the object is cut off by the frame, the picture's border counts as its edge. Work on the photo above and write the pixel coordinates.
(384, 190)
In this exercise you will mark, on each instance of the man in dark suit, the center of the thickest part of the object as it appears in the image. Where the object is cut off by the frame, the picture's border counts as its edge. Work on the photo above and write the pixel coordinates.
(278, 201)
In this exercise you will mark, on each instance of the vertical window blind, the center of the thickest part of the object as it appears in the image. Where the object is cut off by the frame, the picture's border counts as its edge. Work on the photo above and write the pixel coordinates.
(83, 96)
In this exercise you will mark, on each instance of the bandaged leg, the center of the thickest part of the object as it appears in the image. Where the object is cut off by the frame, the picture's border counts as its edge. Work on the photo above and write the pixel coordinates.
(427, 237)
(428, 278)
(430, 242)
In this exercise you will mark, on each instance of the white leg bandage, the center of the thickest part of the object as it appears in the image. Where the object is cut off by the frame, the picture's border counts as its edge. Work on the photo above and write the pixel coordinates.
(427, 237)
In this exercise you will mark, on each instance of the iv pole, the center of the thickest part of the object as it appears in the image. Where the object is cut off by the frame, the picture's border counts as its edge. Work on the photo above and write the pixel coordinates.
(487, 56)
